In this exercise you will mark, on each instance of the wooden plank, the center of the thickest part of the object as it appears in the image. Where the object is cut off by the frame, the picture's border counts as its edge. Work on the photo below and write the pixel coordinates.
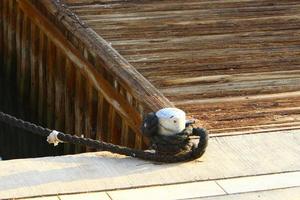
(204, 55)
(59, 84)
(6, 66)
(1, 52)
(100, 100)
(248, 113)
(69, 104)
(59, 101)
(117, 131)
(11, 31)
(34, 72)
(51, 58)
(226, 157)
(42, 84)
(40, 98)
(111, 125)
(79, 108)
(24, 84)
(18, 38)
(4, 32)
(124, 138)
(31, 96)
(1, 36)
(19, 23)
(91, 113)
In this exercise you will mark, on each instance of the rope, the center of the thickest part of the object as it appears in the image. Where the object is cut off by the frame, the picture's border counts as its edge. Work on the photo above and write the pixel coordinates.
(55, 137)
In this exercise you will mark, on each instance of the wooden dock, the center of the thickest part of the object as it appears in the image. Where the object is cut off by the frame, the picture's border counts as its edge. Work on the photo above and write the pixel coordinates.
(234, 65)
(96, 67)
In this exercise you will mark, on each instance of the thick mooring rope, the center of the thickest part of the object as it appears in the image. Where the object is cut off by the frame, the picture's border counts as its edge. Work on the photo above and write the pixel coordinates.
(192, 154)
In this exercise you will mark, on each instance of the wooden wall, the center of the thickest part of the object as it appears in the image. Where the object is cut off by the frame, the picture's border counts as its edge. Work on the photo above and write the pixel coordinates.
(58, 79)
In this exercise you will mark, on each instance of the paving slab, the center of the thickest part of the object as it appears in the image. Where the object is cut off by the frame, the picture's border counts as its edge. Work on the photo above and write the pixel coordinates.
(226, 157)
(169, 192)
(278, 194)
(256, 183)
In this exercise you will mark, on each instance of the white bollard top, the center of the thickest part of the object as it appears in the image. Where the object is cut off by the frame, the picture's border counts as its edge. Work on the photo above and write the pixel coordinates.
(171, 121)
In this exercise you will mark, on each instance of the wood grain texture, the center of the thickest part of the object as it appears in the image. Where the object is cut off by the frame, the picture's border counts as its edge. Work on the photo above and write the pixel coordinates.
(197, 52)
(115, 68)
(1, 38)
(233, 65)
(60, 82)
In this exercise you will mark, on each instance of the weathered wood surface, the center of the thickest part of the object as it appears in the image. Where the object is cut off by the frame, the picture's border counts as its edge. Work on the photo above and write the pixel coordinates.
(14, 29)
(232, 64)
(66, 82)
(226, 157)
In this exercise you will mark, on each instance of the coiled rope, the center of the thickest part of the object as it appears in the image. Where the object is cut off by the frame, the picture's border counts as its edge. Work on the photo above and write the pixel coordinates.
(56, 137)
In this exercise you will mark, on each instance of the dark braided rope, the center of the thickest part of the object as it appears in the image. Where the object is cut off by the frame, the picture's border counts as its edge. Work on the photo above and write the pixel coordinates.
(103, 146)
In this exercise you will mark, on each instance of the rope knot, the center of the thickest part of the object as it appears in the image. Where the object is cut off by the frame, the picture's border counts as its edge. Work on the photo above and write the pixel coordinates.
(189, 142)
